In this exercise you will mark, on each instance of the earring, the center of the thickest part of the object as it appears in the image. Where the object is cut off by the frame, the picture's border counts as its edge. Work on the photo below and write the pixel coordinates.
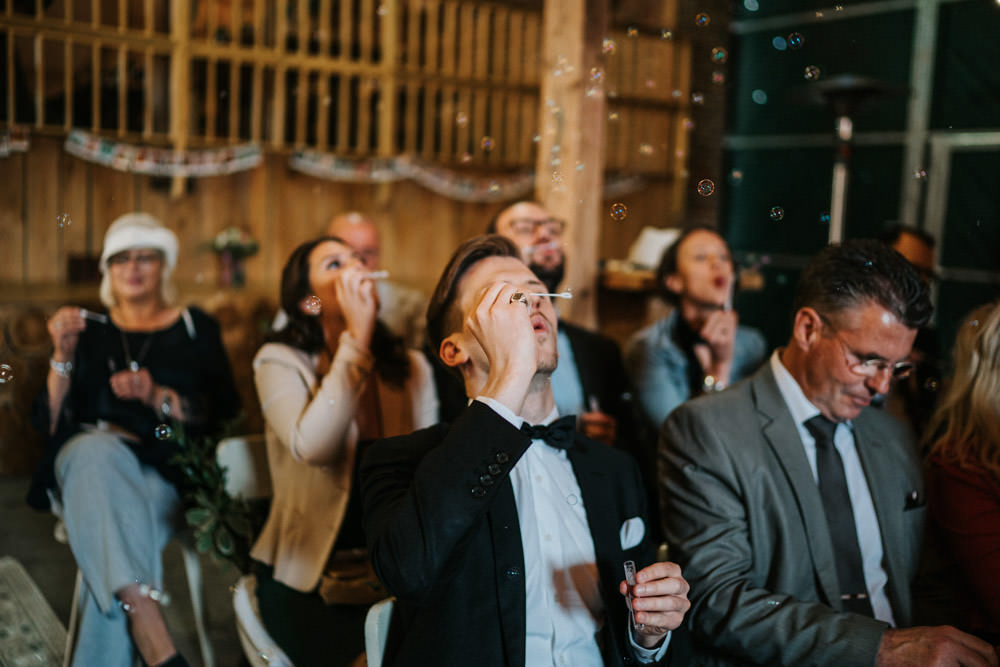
(312, 305)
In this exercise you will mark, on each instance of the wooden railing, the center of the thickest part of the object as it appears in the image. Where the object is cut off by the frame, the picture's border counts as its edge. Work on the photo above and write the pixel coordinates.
(449, 81)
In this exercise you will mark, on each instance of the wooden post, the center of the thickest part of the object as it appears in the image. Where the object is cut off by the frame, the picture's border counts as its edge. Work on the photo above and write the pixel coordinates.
(180, 86)
(570, 163)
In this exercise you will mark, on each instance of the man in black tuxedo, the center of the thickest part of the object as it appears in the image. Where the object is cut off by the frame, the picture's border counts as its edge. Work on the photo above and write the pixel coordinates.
(504, 542)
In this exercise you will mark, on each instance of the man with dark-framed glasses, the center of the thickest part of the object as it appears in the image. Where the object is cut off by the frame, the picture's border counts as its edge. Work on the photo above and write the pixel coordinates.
(796, 509)
(591, 380)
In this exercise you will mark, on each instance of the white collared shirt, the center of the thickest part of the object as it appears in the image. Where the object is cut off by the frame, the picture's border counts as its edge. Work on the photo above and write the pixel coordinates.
(865, 519)
(564, 609)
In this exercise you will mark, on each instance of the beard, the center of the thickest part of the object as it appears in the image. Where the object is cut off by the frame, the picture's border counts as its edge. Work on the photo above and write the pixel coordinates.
(551, 278)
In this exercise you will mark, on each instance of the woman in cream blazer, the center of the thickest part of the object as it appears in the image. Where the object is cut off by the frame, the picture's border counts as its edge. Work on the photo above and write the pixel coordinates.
(330, 382)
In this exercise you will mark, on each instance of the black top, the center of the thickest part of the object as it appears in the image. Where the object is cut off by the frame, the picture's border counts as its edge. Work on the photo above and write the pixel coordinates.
(187, 356)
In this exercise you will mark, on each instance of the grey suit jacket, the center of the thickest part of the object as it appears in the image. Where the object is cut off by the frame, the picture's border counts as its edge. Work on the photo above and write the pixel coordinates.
(744, 519)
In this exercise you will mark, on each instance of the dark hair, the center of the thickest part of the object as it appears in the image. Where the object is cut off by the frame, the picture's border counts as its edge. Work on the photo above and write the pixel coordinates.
(442, 320)
(491, 227)
(848, 274)
(891, 234)
(668, 261)
(304, 332)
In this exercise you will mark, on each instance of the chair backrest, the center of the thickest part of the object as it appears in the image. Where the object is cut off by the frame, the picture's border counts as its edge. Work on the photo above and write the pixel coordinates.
(377, 631)
(245, 459)
(259, 648)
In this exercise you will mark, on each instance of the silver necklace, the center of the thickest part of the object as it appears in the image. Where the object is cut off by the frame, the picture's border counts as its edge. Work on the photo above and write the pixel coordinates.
(133, 363)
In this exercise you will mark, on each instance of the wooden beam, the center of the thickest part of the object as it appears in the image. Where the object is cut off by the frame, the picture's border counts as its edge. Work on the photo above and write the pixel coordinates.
(569, 168)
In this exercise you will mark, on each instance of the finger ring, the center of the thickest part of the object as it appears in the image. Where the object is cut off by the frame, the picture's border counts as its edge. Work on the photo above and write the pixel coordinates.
(518, 296)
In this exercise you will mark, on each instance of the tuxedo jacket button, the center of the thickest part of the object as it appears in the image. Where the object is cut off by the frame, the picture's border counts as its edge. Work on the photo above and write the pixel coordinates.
(485, 480)
(501, 457)
(478, 491)
(513, 572)
(494, 469)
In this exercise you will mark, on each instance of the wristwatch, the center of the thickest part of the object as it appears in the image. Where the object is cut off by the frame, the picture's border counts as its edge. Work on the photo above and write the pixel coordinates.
(165, 404)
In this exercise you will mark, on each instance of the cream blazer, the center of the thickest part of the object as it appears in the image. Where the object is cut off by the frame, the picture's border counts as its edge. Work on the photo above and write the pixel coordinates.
(310, 417)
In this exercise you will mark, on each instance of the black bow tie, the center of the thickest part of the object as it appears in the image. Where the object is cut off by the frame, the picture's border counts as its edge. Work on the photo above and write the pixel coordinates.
(559, 433)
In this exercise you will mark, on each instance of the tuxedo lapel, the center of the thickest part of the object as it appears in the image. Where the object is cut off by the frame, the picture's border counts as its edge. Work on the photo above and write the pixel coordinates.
(782, 435)
(508, 556)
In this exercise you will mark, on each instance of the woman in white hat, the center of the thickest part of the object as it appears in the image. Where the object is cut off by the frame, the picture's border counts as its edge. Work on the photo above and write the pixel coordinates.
(116, 383)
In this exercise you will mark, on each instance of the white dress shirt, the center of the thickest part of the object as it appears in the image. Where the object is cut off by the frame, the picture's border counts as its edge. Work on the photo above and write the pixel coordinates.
(564, 610)
(865, 519)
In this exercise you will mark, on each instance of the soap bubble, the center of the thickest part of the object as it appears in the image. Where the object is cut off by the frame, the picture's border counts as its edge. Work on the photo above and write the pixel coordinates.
(632, 31)
(688, 124)
(697, 98)
(706, 188)
(163, 432)
(919, 174)
(609, 46)
(612, 116)
(824, 218)
(596, 74)
(381, 11)
(702, 20)
(666, 35)
(838, 8)
(735, 176)
(751, 5)
(487, 143)
(312, 305)
(719, 55)
(759, 96)
(494, 187)
(63, 220)
(466, 157)
(777, 213)
(6, 374)
(461, 119)
(812, 72)
(619, 211)
(645, 148)
(930, 384)
(718, 77)
(795, 40)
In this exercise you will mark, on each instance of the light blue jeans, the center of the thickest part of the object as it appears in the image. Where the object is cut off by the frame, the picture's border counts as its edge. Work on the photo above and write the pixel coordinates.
(119, 515)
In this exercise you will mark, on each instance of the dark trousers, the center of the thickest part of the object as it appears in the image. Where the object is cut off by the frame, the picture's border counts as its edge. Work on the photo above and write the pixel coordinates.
(308, 630)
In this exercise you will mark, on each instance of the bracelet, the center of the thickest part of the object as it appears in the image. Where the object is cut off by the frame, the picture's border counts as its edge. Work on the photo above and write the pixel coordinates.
(62, 368)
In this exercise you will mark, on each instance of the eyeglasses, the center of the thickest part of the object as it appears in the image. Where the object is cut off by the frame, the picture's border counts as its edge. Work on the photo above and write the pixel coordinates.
(527, 226)
(868, 365)
(141, 258)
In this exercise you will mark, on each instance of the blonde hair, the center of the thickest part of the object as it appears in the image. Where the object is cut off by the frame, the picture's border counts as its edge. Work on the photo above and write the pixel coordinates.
(966, 426)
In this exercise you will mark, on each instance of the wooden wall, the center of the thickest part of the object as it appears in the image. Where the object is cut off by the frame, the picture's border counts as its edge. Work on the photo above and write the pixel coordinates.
(278, 206)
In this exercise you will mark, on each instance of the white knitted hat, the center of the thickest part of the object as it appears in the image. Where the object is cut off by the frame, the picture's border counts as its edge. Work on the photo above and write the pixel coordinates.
(139, 230)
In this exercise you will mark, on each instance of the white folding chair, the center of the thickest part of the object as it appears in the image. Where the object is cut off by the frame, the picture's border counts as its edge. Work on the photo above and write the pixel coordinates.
(259, 648)
(247, 476)
(377, 630)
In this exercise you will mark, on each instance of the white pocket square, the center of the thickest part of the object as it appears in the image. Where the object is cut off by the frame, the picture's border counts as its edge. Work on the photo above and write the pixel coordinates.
(632, 532)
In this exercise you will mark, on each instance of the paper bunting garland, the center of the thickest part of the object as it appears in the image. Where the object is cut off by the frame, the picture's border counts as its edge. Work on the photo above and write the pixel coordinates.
(443, 181)
(162, 161)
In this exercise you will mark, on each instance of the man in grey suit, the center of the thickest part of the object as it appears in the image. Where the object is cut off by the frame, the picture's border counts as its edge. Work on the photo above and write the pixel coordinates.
(796, 510)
